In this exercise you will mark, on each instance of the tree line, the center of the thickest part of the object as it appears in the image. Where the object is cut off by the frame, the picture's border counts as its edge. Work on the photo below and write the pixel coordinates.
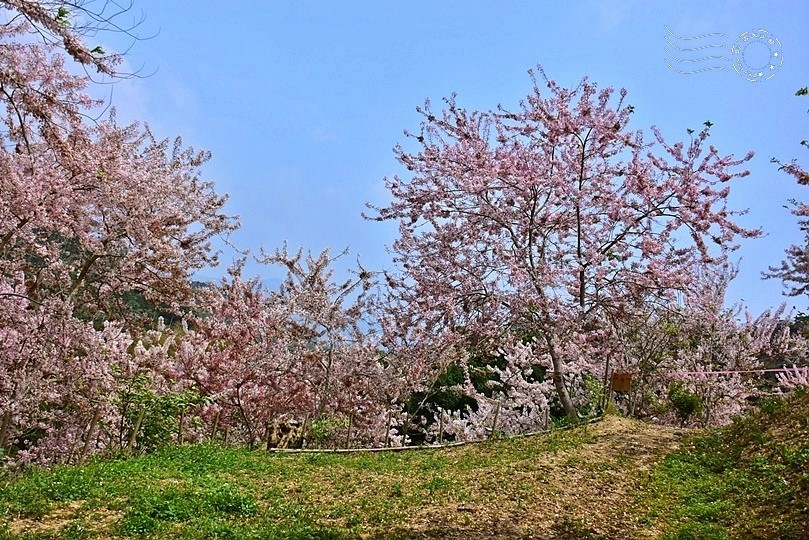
(541, 249)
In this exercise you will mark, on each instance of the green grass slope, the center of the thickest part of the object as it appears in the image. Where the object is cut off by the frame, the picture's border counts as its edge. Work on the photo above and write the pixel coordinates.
(616, 479)
(749, 480)
(569, 484)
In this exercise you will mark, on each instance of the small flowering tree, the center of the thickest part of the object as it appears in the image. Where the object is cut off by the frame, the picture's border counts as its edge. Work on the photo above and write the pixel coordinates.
(299, 353)
(336, 345)
(237, 354)
(701, 361)
(552, 220)
(514, 399)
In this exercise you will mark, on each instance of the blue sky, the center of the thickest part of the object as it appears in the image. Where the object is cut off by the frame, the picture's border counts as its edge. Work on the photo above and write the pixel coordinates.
(301, 102)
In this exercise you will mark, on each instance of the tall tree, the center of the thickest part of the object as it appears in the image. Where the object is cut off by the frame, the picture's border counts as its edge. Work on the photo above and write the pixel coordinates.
(89, 210)
(551, 220)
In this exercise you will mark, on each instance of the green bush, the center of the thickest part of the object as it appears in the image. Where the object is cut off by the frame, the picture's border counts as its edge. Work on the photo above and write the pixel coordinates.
(685, 402)
(327, 431)
(160, 423)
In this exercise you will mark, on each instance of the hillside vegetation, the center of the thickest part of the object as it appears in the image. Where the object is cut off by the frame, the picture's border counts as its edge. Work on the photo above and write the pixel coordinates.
(618, 478)
(749, 480)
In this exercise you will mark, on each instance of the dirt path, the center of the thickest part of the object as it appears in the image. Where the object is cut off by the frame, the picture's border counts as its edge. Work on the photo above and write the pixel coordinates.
(580, 493)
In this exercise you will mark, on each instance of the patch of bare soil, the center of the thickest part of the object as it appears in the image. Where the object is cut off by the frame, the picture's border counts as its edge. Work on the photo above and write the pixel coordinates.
(53, 522)
(586, 492)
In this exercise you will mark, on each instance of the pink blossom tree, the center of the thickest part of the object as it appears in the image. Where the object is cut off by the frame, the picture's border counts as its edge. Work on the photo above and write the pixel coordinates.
(794, 270)
(67, 25)
(237, 354)
(551, 221)
(300, 353)
(330, 322)
(90, 211)
(699, 361)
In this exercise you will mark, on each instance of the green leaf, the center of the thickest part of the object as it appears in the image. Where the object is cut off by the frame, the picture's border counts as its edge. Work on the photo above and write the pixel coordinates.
(62, 16)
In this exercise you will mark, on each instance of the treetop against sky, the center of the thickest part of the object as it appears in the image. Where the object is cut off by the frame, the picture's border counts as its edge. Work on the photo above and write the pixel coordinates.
(301, 104)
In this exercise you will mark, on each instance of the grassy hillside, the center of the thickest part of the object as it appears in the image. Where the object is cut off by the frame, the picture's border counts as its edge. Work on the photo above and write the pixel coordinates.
(749, 480)
(609, 480)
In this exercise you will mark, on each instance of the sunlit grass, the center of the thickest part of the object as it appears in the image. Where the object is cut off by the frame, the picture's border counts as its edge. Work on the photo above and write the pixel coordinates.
(609, 480)
(206, 491)
(747, 481)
